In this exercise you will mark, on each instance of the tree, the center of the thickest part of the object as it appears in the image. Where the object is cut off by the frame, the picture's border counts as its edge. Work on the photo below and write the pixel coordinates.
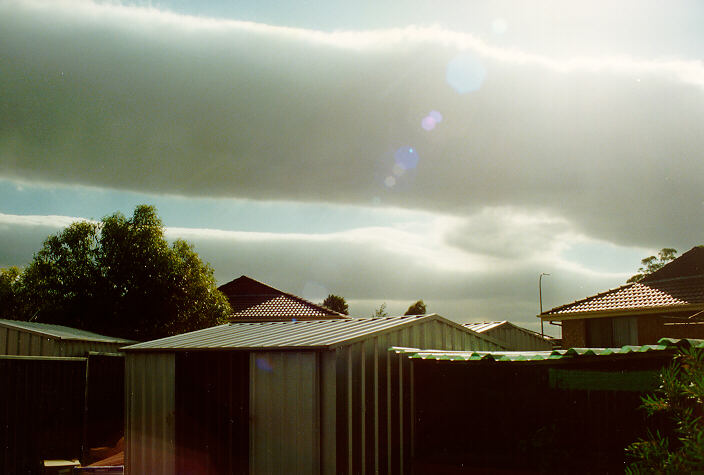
(122, 278)
(381, 311)
(679, 398)
(651, 264)
(336, 303)
(417, 308)
(9, 293)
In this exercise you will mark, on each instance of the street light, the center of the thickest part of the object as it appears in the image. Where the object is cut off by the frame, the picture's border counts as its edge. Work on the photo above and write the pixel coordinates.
(540, 300)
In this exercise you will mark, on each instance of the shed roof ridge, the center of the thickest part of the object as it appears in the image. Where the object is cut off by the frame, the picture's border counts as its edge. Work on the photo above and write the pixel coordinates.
(314, 334)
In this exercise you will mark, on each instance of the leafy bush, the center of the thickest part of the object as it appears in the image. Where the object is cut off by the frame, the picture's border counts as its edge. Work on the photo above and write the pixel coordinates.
(680, 398)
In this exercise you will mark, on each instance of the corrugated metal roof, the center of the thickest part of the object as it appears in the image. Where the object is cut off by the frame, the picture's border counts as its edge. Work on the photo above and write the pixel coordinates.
(665, 344)
(481, 327)
(60, 332)
(312, 334)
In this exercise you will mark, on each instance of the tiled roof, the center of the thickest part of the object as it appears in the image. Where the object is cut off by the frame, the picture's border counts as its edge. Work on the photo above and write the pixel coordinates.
(640, 295)
(252, 300)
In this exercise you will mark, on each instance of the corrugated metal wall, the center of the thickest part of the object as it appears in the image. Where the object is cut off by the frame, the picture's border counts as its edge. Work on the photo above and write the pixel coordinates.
(519, 340)
(42, 405)
(284, 412)
(212, 412)
(81, 348)
(14, 342)
(373, 401)
(342, 411)
(22, 343)
(150, 405)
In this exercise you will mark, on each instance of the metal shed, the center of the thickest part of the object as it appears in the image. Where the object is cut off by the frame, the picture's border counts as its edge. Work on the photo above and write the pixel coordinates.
(20, 338)
(514, 336)
(280, 397)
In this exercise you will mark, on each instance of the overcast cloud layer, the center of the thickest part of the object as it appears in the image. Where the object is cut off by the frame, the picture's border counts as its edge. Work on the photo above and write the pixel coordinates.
(139, 99)
(396, 265)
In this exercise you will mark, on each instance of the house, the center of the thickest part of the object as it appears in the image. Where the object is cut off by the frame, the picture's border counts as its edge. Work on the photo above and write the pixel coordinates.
(254, 301)
(560, 411)
(513, 336)
(667, 303)
(318, 396)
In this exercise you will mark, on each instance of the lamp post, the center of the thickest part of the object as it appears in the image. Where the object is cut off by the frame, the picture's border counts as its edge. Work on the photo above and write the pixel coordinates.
(540, 300)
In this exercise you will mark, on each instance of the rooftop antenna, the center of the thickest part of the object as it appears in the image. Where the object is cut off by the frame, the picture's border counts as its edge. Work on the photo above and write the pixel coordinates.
(540, 300)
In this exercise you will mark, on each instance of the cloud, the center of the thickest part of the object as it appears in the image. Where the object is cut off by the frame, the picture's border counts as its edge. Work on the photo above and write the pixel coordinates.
(396, 265)
(505, 233)
(140, 99)
(22, 236)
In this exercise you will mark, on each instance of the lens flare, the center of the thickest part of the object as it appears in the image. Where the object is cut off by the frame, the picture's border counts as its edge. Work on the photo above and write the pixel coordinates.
(465, 73)
(406, 157)
(431, 120)
(390, 181)
(264, 364)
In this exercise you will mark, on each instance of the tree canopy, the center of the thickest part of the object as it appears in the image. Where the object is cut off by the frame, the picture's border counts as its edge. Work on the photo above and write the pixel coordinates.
(9, 295)
(381, 311)
(652, 263)
(417, 308)
(121, 277)
(336, 303)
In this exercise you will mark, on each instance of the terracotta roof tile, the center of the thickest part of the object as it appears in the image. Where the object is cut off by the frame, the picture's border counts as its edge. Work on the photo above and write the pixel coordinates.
(661, 293)
(253, 300)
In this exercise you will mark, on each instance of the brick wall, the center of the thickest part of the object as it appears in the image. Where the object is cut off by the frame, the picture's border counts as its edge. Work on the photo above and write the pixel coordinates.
(574, 334)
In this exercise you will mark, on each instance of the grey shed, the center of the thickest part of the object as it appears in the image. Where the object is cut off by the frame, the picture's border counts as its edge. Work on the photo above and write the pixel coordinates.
(513, 336)
(20, 338)
(280, 397)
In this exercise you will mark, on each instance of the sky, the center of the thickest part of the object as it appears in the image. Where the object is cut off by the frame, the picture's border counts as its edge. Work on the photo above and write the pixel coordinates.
(450, 151)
